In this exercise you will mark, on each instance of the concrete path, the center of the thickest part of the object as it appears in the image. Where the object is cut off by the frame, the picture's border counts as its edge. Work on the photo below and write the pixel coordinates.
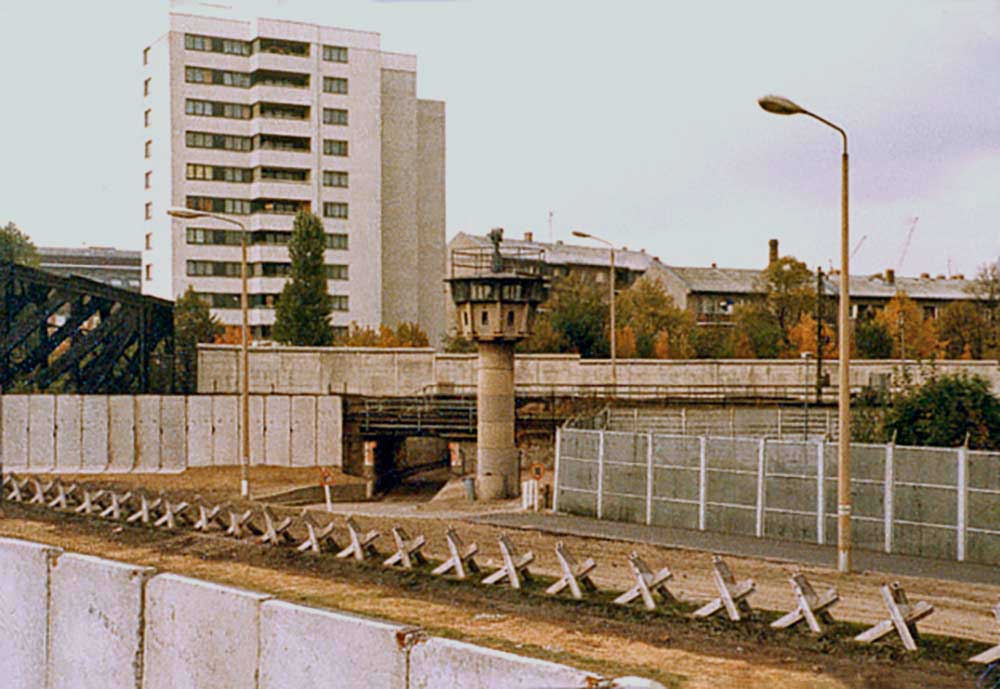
(744, 546)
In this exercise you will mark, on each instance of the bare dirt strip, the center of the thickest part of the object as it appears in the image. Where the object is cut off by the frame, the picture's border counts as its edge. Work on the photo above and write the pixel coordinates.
(593, 634)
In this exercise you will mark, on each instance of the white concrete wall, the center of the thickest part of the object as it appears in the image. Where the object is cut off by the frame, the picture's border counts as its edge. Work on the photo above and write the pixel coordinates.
(95, 623)
(200, 635)
(409, 371)
(79, 621)
(165, 434)
(24, 612)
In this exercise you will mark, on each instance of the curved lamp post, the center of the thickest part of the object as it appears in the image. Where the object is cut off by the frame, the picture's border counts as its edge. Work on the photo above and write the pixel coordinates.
(782, 106)
(188, 214)
(611, 288)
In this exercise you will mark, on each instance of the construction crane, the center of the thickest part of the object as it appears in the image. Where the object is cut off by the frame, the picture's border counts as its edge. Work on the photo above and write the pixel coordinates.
(906, 242)
(858, 245)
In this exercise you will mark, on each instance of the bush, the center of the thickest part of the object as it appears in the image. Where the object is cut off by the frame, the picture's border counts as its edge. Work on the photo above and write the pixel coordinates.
(943, 410)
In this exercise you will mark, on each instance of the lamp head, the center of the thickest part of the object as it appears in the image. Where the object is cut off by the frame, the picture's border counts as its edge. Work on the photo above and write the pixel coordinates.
(184, 213)
(779, 106)
(581, 235)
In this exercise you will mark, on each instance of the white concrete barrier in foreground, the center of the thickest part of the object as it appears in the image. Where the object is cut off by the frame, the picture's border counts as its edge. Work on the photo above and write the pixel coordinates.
(24, 612)
(200, 635)
(84, 622)
(95, 623)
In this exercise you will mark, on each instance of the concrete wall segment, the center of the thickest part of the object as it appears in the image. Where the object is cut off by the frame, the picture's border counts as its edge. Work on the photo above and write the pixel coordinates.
(24, 612)
(308, 647)
(190, 644)
(95, 623)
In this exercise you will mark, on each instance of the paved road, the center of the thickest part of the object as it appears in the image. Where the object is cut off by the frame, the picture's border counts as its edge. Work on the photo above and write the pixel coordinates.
(744, 546)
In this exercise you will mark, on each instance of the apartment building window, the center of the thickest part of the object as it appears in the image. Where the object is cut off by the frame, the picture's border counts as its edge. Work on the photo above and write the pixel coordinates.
(281, 111)
(148, 149)
(210, 44)
(145, 87)
(280, 206)
(334, 179)
(334, 147)
(284, 174)
(289, 80)
(335, 85)
(146, 118)
(281, 47)
(219, 173)
(336, 241)
(218, 205)
(149, 241)
(207, 236)
(335, 209)
(223, 141)
(148, 179)
(336, 272)
(218, 77)
(339, 302)
(276, 142)
(218, 269)
(334, 116)
(334, 53)
(145, 56)
(149, 271)
(208, 108)
(149, 210)
(270, 270)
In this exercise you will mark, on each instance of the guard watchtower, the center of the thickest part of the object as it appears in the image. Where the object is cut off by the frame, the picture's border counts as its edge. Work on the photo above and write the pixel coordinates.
(496, 293)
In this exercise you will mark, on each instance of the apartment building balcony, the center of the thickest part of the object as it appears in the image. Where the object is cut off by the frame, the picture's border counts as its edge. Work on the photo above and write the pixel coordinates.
(281, 94)
(280, 63)
(282, 126)
(281, 158)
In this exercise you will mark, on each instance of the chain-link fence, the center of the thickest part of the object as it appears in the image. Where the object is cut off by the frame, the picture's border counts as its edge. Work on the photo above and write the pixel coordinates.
(934, 502)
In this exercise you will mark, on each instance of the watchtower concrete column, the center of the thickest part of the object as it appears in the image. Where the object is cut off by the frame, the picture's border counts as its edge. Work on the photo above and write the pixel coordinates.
(496, 453)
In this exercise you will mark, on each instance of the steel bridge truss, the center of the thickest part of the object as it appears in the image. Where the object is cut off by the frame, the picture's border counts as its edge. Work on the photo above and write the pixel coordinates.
(74, 335)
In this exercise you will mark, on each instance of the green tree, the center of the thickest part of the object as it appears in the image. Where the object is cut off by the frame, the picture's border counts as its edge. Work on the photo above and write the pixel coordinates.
(578, 312)
(758, 332)
(16, 246)
(872, 340)
(649, 311)
(302, 314)
(712, 341)
(193, 324)
(456, 344)
(945, 409)
(986, 290)
(544, 338)
(963, 330)
(790, 291)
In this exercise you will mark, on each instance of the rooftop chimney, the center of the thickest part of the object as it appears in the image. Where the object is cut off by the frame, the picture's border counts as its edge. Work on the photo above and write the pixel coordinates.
(713, 265)
(925, 276)
(958, 276)
(772, 251)
(529, 237)
(890, 276)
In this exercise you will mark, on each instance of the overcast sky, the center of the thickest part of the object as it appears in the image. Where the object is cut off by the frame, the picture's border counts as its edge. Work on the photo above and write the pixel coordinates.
(634, 120)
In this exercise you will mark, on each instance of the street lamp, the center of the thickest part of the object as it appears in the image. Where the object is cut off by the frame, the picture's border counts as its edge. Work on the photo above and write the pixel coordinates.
(611, 293)
(782, 106)
(188, 214)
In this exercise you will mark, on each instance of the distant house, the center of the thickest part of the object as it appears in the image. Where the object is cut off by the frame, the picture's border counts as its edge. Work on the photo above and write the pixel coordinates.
(712, 293)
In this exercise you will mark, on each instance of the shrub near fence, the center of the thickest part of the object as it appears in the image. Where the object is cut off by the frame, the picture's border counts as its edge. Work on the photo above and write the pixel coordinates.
(933, 502)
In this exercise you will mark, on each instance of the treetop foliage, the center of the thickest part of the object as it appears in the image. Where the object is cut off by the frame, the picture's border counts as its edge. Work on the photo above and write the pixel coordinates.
(302, 313)
(16, 246)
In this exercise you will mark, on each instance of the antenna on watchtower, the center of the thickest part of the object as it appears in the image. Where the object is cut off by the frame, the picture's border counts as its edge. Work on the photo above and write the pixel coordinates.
(551, 236)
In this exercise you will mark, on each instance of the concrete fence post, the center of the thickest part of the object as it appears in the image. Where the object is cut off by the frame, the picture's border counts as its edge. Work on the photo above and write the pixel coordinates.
(600, 476)
(963, 505)
(887, 495)
(556, 478)
(780, 419)
(649, 478)
(761, 454)
(820, 492)
(684, 425)
(702, 482)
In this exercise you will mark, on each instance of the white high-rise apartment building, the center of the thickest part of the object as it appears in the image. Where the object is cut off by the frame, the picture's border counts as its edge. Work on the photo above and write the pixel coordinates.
(256, 119)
